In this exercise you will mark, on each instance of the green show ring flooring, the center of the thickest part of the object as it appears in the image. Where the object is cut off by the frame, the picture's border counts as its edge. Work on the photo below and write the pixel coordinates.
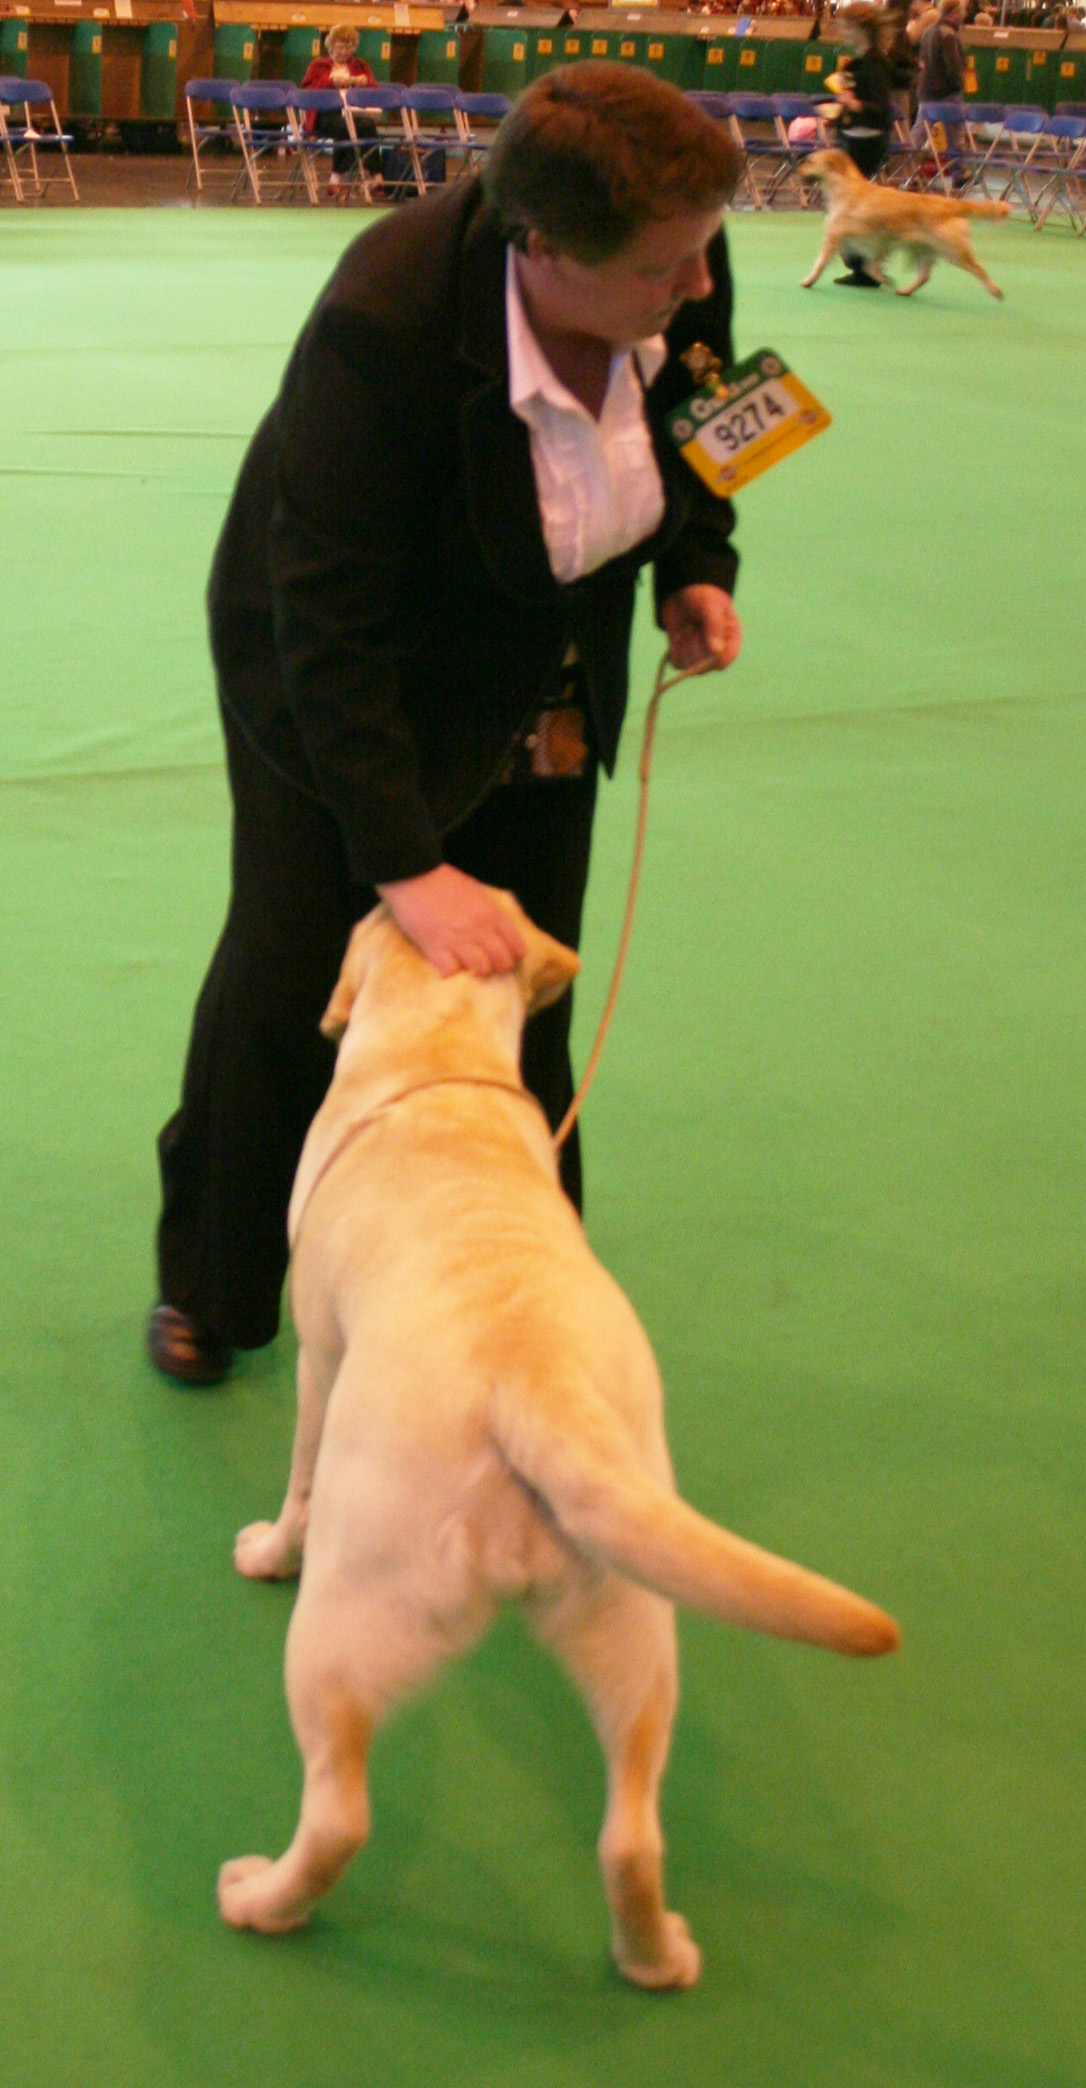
(834, 1154)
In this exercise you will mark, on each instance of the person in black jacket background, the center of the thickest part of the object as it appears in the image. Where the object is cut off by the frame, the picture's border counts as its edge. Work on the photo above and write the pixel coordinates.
(866, 120)
(396, 611)
(942, 76)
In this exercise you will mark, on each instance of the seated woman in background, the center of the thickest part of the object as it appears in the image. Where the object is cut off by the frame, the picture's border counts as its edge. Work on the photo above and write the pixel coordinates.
(340, 68)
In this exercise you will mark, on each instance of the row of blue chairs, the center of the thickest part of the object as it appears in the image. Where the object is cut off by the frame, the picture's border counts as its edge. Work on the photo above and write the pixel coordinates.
(1022, 154)
(417, 130)
(1019, 155)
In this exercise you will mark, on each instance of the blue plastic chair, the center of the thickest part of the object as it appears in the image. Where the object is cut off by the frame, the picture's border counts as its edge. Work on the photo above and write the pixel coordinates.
(385, 102)
(204, 137)
(428, 142)
(471, 111)
(21, 141)
(750, 115)
(1065, 186)
(267, 126)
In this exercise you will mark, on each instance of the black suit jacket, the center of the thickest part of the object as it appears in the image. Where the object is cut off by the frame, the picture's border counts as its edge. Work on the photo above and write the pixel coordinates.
(383, 613)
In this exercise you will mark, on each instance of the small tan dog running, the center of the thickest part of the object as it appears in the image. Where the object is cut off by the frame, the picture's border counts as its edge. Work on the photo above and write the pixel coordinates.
(871, 220)
(479, 1421)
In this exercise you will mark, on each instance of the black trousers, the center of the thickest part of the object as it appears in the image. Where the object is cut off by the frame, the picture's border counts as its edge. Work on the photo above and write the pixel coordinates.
(331, 125)
(258, 1068)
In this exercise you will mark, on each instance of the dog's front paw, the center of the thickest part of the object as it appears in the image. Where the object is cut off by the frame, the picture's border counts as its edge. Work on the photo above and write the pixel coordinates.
(247, 1898)
(265, 1551)
(678, 1963)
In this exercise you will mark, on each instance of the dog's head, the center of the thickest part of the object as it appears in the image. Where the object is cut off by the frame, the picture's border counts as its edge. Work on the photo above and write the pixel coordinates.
(828, 165)
(378, 953)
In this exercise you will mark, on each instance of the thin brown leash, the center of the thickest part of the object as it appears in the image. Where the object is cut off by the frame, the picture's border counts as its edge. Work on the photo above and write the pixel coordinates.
(353, 1131)
(663, 683)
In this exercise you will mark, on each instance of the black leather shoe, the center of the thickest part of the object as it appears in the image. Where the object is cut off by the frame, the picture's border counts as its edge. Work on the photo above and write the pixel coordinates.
(183, 1351)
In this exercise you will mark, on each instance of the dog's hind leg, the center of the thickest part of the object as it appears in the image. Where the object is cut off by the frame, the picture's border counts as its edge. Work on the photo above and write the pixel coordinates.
(959, 251)
(256, 1893)
(334, 1710)
(922, 278)
(618, 1643)
(273, 1551)
(349, 1659)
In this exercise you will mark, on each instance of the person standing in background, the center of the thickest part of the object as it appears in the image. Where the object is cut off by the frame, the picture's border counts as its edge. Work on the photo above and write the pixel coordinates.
(942, 76)
(863, 93)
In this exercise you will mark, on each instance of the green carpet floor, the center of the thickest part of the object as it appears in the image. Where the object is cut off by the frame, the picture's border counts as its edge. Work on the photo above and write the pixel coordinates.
(834, 1154)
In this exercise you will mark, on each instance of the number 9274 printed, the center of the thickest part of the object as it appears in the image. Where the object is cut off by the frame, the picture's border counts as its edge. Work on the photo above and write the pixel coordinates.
(761, 414)
(743, 420)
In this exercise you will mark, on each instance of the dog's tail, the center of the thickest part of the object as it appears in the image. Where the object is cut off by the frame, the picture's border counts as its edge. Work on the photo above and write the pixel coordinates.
(578, 1456)
(984, 208)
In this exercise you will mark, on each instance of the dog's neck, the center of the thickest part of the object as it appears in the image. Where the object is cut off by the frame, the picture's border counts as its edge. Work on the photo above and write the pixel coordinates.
(474, 1037)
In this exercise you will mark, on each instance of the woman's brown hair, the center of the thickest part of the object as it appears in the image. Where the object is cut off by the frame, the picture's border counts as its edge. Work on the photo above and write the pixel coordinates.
(592, 153)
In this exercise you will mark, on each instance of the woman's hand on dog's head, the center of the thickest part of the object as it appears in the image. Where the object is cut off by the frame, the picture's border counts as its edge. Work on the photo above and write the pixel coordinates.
(458, 923)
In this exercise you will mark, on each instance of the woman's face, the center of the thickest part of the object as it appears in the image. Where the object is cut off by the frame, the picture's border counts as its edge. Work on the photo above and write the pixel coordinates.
(341, 51)
(639, 291)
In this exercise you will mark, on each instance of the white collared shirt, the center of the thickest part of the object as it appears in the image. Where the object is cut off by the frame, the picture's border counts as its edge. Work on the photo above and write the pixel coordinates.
(597, 482)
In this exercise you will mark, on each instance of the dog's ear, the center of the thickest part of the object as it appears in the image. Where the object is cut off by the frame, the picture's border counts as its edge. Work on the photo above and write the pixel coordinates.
(547, 968)
(352, 975)
(550, 973)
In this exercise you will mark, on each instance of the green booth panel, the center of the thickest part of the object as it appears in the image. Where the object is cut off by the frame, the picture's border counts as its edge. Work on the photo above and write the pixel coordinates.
(630, 50)
(438, 58)
(1042, 79)
(506, 61)
(717, 64)
(796, 66)
(235, 51)
(818, 60)
(158, 71)
(1070, 76)
(300, 47)
(600, 44)
(544, 51)
(571, 45)
(675, 58)
(375, 46)
(734, 65)
(993, 75)
(14, 45)
(85, 70)
(750, 57)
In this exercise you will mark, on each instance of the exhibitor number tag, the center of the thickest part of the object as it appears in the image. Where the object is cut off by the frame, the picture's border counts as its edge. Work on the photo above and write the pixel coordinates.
(741, 421)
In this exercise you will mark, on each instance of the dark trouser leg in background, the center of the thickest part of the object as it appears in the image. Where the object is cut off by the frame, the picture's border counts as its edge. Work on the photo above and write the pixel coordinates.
(868, 155)
(258, 1068)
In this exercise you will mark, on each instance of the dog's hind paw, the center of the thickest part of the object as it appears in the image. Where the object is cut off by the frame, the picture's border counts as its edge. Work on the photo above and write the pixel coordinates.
(246, 1900)
(265, 1551)
(678, 1965)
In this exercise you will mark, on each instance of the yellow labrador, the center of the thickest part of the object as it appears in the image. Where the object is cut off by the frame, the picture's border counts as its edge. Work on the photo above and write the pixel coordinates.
(479, 1420)
(872, 220)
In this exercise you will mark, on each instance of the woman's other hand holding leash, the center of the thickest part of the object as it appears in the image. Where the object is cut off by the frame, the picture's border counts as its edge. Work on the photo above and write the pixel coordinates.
(703, 628)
